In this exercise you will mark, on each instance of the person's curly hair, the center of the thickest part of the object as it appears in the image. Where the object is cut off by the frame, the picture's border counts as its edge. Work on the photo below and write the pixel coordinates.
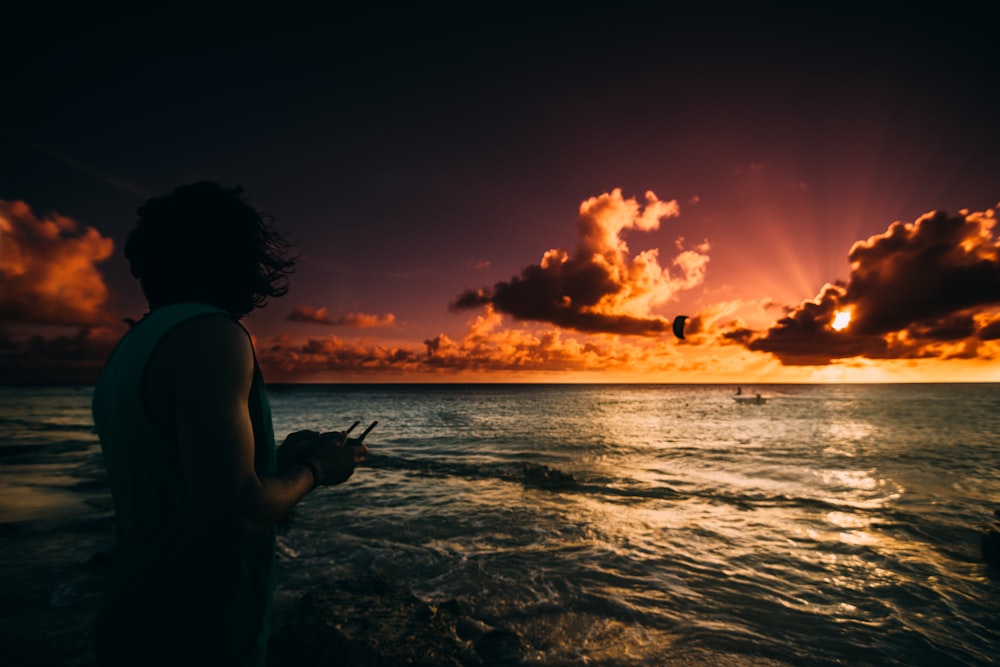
(206, 243)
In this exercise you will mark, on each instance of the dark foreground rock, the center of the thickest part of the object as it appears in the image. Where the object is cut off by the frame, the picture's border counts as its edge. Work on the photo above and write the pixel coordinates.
(54, 582)
(368, 624)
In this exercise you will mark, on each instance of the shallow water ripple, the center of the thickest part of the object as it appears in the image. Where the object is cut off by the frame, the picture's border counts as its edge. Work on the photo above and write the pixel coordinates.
(633, 525)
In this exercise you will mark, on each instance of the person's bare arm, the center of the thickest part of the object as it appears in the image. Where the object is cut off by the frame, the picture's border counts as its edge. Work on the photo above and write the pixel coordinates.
(210, 369)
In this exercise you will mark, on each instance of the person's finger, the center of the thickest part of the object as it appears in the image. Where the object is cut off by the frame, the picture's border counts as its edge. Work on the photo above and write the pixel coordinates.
(336, 437)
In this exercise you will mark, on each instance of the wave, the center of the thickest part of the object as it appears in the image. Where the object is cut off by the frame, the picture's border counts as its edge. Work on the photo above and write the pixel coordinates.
(44, 453)
(553, 479)
(10, 424)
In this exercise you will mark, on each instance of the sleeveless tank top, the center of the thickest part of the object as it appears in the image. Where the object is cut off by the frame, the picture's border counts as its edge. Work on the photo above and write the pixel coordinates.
(170, 596)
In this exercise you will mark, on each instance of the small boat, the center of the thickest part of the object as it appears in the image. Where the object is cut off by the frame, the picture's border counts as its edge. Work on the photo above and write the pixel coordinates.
(755, 399)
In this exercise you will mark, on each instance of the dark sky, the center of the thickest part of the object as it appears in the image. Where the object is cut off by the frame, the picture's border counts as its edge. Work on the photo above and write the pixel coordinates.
(418, 153)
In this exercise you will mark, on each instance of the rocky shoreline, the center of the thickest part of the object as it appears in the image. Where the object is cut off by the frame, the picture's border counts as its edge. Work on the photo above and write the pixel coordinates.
(47, 613)
(368, 624)
(54, 578)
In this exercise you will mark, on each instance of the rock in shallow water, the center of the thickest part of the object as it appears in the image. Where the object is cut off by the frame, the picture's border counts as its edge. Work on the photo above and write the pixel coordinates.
(499, 648)
(367, 623)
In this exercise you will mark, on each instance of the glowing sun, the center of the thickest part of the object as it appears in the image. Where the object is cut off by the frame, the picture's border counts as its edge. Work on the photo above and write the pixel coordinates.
(841, 319)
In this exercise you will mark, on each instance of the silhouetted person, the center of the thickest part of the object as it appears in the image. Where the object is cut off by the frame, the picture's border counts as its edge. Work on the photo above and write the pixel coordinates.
(185, 429)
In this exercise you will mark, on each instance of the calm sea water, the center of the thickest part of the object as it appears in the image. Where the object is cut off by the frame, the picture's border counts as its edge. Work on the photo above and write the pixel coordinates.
(612, 525)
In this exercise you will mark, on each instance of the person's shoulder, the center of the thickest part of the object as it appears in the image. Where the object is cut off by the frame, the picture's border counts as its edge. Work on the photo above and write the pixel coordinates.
(212, 325)
(210, 339)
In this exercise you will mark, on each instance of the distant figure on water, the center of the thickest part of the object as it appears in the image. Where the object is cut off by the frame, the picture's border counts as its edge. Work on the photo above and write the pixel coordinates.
(185, 429)
(740, 397)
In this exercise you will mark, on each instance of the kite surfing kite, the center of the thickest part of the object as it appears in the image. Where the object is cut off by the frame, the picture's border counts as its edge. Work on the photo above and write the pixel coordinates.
(678, 326)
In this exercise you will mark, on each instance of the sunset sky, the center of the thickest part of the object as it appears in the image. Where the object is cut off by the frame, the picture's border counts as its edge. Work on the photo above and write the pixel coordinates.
(502, 193)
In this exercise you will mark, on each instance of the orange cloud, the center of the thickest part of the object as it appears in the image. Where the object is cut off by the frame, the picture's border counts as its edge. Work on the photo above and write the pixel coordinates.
(926, 289)
(356, 320)
(933, 268)
(486, 347)
(600, 287)
(47, 268)
(287, 358)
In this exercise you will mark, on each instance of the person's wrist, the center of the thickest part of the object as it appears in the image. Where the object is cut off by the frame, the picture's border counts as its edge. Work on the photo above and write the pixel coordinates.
(314, 469)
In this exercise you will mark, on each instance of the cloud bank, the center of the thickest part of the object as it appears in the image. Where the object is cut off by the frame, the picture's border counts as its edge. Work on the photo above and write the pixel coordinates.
(73, 358)
(486, 347)
(600, 287)
(355, 320)
(926, 289)
(48, 272)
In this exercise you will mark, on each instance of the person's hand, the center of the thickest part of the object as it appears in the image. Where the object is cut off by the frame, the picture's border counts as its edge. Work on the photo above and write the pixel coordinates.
(301, 445)
(335, 458)
(358, 441)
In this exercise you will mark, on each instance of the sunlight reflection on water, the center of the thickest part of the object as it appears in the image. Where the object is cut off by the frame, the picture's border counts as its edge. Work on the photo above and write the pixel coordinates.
(828, 526)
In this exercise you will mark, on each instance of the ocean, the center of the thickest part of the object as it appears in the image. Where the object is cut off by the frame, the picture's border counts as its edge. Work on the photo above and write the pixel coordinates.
(605, 525)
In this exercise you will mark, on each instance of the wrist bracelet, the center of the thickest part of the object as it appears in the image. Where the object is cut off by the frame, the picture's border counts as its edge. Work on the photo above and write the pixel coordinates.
(311, 466)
